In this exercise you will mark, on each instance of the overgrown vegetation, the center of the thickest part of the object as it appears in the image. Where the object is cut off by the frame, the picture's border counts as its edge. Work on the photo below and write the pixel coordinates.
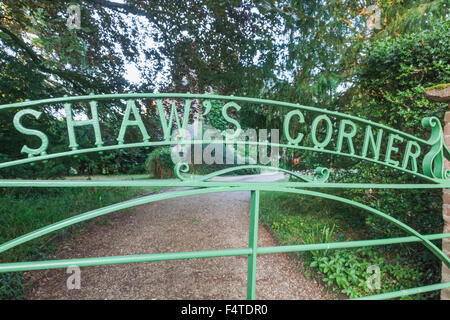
(296, 219)
(159, 163)
(392, 79)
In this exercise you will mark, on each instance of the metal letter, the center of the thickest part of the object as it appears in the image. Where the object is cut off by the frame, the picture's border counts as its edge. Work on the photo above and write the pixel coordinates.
(25, 149)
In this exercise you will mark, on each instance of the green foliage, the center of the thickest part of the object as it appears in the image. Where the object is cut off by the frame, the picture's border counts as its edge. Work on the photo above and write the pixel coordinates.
(394, 74)
(318, 235)
(343, 270)
(347, 271)
(12, 286)
(420, 209)
(391, 80)
(215, 116)
(159, 163)
(410, 16)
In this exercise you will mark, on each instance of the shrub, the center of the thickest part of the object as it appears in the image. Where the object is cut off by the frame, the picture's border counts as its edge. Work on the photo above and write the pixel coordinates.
(159, 163)
(391, 81)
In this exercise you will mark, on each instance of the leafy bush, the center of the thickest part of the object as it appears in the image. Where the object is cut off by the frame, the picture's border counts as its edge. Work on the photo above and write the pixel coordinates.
(348, 271)
(296, 219)
(391, 81)
(393, 75)
(215, 116)
(47, 170)
(159, 163)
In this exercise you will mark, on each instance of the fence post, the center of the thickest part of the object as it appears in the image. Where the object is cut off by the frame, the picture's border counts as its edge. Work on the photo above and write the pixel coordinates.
(252, 244)
(442, 94)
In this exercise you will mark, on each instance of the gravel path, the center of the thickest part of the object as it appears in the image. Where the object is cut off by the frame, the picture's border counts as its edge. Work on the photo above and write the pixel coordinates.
(202, 222)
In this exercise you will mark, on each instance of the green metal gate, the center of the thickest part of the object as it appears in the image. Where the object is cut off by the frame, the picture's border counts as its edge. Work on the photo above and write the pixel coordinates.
(429, 153)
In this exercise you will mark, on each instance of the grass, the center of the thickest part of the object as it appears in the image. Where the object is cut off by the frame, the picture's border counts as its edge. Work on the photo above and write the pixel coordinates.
(297, 219)
(438, 86)
(23, 210)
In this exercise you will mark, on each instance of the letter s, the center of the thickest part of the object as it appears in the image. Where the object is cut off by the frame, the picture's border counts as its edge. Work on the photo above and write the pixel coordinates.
(31, 152)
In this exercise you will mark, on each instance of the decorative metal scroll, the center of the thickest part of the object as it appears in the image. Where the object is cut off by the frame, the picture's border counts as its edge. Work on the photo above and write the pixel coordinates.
(321, 174)
(421, 158)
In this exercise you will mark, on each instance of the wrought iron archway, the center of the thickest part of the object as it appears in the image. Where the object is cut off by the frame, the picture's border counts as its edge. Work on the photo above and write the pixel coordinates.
(421, 158)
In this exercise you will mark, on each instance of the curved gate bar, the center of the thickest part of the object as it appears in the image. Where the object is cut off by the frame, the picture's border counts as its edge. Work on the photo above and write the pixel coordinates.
(102, 211)
(193, 142)
(209, 184)
(176, 194)
(322, 174)
(406, 292)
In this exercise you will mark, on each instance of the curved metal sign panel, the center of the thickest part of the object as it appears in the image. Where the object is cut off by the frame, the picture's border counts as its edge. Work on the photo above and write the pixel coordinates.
(302, 128)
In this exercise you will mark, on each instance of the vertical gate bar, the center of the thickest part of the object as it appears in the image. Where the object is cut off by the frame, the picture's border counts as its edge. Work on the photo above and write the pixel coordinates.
(252, 244)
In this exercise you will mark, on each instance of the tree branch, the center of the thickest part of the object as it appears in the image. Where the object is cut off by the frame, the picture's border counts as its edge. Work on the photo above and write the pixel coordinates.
(21, 44)
(66, 75)
(124, 7)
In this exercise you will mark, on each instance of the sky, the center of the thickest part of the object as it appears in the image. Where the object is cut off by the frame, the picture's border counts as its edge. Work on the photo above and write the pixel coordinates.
(133, 75)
